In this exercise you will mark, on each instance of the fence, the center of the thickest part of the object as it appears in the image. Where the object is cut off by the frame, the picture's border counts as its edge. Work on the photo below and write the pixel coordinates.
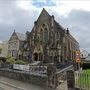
(32, 69)
(82, 81)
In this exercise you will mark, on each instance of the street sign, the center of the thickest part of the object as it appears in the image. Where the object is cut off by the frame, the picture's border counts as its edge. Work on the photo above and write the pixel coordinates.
(78, 56)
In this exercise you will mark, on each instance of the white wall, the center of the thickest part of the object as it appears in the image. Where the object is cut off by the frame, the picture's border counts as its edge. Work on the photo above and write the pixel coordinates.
(84, 54)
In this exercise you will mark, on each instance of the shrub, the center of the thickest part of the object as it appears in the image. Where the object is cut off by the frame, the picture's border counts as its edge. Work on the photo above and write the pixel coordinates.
(11, 60)
(0, 50)
(86, 65)
(20, 62)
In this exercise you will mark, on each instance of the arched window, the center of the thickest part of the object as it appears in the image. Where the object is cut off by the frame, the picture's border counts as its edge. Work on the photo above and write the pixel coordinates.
(41, 35)
(44, 33)
(57, 35)
(43, 25)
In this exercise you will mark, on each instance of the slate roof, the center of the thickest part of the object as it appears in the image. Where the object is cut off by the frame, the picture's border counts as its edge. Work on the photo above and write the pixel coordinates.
(87, 58)
(57, 26)
(20, 36)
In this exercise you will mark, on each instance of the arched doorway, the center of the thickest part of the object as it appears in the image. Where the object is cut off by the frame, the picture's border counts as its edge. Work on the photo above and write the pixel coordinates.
(40, 57)
(35, 56)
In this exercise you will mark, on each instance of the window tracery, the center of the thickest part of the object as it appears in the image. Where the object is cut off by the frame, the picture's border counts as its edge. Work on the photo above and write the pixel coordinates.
(43, 32)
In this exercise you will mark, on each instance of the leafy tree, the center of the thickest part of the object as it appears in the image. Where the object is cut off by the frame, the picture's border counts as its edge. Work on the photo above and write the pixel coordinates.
(0, 50)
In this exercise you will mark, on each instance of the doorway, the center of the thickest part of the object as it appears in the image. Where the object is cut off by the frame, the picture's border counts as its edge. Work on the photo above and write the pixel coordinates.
(35, 56)
(40, 57)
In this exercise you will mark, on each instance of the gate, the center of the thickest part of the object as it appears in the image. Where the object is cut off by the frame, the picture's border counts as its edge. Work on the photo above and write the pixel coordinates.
(82, 81)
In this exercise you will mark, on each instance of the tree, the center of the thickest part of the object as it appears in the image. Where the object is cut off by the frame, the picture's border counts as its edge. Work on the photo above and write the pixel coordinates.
(0, 50)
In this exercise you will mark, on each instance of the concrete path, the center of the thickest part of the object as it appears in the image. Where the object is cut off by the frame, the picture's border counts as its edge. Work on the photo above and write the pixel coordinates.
(10, 84)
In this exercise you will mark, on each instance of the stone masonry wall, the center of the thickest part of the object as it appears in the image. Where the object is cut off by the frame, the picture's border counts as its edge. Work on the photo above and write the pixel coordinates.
(23, 77)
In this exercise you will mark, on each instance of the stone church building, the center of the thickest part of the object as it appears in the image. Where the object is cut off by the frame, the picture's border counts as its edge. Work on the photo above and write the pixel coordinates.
(15, 44)
(48, 41)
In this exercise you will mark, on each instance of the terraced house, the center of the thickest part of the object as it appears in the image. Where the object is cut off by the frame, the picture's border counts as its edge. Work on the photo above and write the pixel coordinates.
(48, 41)
(15, 44)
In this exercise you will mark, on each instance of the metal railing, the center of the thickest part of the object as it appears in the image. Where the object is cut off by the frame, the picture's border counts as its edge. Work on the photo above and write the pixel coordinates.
(39, 70)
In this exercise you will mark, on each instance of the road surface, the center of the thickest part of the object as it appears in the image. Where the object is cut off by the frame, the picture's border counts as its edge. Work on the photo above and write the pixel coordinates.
(11, 84)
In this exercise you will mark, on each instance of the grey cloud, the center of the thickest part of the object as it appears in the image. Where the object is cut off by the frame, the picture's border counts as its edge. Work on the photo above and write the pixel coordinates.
(13, 17)
(78, 22)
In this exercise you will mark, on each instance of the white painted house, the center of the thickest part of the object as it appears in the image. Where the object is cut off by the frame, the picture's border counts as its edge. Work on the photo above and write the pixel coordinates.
(84, 54)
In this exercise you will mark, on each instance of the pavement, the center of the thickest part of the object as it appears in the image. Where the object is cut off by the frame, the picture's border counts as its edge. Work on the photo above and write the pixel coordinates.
(11, 84)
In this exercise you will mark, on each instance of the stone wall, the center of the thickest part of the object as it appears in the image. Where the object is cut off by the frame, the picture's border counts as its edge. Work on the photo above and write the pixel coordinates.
(18, 75)
(53, 78)
(56, 77)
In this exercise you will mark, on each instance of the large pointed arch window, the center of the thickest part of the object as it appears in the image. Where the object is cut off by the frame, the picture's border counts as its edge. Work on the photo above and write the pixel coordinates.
(41, 35)
(44, 33)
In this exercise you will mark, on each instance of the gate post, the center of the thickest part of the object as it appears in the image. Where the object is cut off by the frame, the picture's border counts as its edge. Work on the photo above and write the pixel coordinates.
(70, 80)
(51, 76)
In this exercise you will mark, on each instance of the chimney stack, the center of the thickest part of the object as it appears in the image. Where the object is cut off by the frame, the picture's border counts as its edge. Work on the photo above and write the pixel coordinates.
(67, 31)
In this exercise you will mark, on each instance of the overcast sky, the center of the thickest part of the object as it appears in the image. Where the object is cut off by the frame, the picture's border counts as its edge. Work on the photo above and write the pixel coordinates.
(21, 14)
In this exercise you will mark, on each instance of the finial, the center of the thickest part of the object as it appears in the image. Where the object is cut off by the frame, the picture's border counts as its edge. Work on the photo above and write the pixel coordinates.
(67, 31)
(14, 30)
(67, 28)
(53, 16)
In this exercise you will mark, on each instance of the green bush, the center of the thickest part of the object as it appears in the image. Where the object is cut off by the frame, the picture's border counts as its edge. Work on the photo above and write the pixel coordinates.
(20, 62)
(0, 50)
(86, 65)
(11, 60)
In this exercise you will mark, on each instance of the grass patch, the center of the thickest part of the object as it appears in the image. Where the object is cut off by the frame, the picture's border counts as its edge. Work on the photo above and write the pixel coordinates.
(83, 79)
(87, 71)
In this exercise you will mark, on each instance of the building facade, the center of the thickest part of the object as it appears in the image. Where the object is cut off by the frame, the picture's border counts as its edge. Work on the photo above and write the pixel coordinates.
(48, 41)
(4, 46)
(14, 45)
(84, 54)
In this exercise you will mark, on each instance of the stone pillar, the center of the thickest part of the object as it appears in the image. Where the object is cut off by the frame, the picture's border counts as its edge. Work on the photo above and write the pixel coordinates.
(51, 76)
(70, 80)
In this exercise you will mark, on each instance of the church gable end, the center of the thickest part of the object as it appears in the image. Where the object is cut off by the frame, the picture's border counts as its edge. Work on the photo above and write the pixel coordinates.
(48, 41)
(13, 36)
(44, 16)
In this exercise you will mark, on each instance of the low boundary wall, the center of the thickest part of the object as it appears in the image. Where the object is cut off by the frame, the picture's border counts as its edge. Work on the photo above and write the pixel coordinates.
(22, 76)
